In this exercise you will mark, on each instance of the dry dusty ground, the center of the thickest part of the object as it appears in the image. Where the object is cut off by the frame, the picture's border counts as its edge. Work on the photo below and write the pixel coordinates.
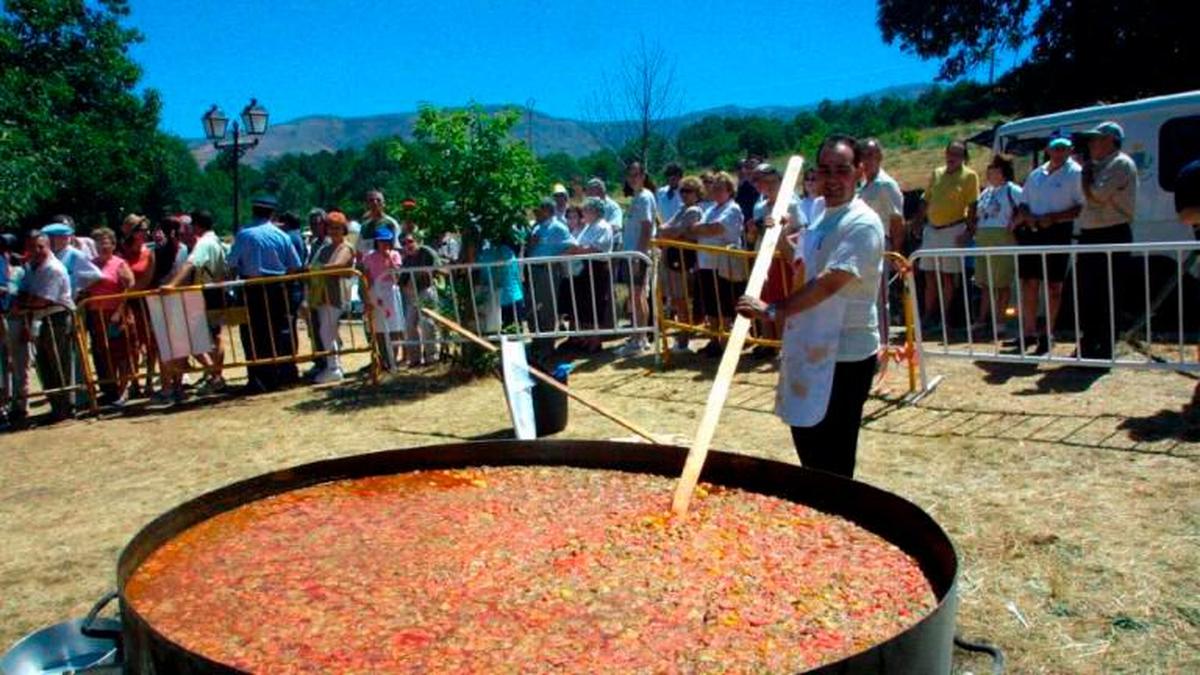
(1073, 500)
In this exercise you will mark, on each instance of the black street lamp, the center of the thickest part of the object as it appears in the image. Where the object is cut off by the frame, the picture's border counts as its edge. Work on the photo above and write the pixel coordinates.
(254, 121)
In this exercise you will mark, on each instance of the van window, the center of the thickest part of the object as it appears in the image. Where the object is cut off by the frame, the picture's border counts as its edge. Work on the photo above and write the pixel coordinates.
(1178, 144)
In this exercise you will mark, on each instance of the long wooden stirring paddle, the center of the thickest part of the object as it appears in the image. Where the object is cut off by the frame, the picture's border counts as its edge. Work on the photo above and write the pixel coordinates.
(457, 328)
(733, 348)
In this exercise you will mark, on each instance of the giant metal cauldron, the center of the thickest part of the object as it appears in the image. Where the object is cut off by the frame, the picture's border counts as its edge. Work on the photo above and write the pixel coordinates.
(924, 648)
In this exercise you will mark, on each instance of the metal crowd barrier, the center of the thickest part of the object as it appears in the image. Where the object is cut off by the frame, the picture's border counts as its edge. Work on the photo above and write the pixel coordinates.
(123, 335)
(571, 296)
(40, 359)
(1121, 305)
(688, 300)
(695, 302)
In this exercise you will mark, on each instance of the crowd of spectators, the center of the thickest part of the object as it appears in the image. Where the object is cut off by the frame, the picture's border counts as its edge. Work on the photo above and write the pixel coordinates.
(45, 272)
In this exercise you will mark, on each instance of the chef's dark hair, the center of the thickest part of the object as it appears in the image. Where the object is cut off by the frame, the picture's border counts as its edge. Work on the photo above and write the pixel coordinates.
(833, 140)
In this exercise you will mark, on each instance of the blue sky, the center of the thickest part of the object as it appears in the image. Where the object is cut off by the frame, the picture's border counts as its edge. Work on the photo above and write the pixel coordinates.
(364, 57)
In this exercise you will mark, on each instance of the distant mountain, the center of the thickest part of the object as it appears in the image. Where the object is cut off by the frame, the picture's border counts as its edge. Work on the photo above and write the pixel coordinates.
(318, 133)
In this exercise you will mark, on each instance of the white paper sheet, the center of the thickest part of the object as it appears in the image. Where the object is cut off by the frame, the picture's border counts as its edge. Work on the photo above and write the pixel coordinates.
(179, 323)
(518, 387)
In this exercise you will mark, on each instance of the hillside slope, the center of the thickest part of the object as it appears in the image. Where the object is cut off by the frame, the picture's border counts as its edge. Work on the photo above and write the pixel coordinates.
(319, 133)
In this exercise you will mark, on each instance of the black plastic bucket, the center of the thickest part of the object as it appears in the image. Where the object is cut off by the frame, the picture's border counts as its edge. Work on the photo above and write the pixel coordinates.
(549, 408)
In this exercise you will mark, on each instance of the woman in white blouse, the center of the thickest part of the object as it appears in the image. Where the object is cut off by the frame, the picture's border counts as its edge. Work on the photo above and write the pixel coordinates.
(994, 274)
(721, 226)
(590, 279)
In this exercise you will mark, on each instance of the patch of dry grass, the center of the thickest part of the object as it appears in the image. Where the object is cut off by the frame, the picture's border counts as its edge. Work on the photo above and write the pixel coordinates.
(1078, 511)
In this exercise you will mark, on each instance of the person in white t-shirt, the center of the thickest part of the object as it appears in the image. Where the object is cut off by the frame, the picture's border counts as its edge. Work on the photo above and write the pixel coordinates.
(723, 226)
(639, 227)
(812, 204)
(997, 214)
(591, 278)
(882, 193)
(842, 262)
(1051, 200)
(668, 197)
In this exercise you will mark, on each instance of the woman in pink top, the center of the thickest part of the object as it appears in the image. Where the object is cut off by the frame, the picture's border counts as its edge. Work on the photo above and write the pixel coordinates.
(387, 312)
(141, 262)
(108, 321)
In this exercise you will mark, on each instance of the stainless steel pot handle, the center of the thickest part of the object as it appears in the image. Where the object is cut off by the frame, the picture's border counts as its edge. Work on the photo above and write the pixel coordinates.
(88, 629)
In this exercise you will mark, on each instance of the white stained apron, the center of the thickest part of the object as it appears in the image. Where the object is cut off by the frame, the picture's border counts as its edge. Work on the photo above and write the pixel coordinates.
(387, 310)
(809, 356)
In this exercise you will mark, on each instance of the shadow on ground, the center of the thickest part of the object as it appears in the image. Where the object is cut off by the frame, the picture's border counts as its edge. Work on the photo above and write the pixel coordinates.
(1182, 425)
(360, 394)
(1055, 380)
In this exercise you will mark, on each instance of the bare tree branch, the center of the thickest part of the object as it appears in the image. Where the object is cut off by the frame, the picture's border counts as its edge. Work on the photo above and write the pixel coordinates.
(635, 103)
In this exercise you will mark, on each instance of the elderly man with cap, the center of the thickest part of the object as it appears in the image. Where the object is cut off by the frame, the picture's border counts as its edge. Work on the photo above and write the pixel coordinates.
(549, 237)
(80, 269)
(261, 250)
(561, 201)
(1109, 181)
(613, 215)
(45, 303)
(82, 274)
(1050, 201)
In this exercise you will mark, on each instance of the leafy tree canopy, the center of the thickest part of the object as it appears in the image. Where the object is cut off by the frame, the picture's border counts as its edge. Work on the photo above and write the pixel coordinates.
(1079, 52)
(469, 175)
(74, 135)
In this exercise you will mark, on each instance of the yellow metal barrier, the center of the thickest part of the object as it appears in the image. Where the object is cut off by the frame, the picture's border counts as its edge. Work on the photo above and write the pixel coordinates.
(57, 368)
(680, 312)
(700, 301)
(117, 332)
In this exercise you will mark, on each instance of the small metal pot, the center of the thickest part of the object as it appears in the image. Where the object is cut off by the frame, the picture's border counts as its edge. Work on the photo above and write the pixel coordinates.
(90, 644)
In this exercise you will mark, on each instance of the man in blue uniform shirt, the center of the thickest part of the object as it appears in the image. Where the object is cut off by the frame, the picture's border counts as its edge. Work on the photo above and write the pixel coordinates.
(259, 250)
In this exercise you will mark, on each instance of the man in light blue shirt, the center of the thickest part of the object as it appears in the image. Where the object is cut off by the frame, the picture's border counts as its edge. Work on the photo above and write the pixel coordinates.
(261, 249)
(80, 269)
(549, 237)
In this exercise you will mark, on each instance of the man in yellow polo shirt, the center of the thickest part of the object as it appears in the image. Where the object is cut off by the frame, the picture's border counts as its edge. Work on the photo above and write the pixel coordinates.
(950, 209)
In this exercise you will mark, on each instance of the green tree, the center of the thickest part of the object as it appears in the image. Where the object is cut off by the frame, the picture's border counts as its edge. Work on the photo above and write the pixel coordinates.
(1078, 52)
(75, 137)
(469, 175)
(708, 143)
(560, 167)
(603, 164)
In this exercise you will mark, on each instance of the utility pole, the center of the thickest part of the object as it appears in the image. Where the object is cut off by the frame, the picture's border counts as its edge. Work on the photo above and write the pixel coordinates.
(529, 124)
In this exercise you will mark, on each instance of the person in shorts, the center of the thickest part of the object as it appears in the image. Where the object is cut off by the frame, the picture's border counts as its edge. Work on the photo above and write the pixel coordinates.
(950, 202)
(1050, 201)
(639, 226)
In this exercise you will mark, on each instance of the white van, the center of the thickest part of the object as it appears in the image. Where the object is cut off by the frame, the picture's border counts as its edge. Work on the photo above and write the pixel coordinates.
(1162, 134)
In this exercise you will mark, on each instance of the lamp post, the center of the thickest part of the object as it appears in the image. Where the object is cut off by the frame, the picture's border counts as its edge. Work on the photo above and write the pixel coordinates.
(254, 121)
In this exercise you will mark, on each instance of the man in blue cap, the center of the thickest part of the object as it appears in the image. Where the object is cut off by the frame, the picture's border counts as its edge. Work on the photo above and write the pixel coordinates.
(262, 250)
(1050, 201)
(1110, 185)
(82, 274)
(79, 268)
